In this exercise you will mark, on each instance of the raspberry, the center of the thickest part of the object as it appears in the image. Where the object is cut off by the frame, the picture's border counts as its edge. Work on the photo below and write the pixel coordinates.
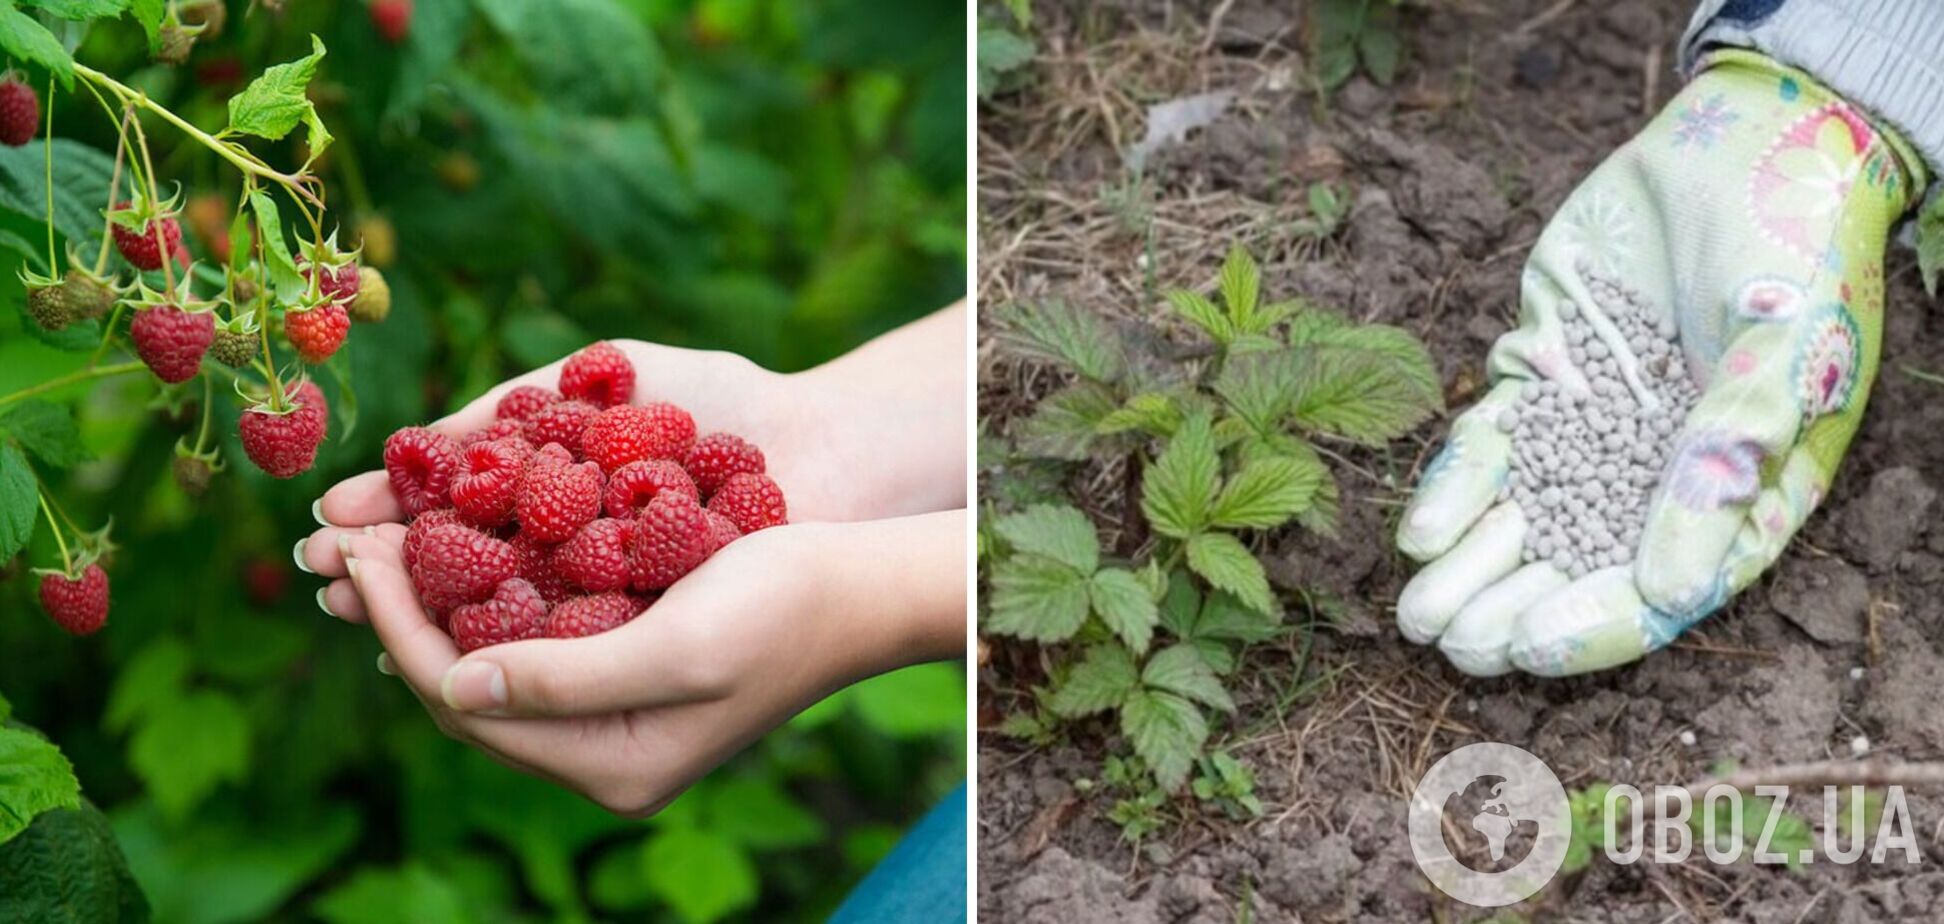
(722, 531)
(283, 445)
(497, 430)
(139, 247)
(318, 331)
(537, 566)
(309, 399)
(172, 341)
(48, 306)
(457, 565)
(79, 605)
(551, 454)
(562, 422)
(265, 580)
(752, 502)
(420, 463)
(87, 295)
(626, 433)
(671, 538)
(599, 374)
(392, 19)
(555, 501)
(635, 484)
(415, 533)
(525, 401)
(598, 558)
(716, 456)
(488, 479)
(372, 304)
(515, 611)
(233, 348)
(19, 113)
(192, 474)
(584, 616)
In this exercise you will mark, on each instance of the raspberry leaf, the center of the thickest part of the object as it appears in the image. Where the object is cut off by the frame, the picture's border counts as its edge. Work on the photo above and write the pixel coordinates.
(1037, 598)
(1059, 532)
(284, 278)
(1930, 244)
(188, 746)
(920, 700)
(19, 500)
(1181, 669)
(1180, 486)
(1267, 492)
(47, 430)
(67, 867)
(1101, 681)
(275, 102)
(1065, 424)
(1227, 564)
(1166, 731)
(1124, 605)
(1066, 336)
(37, 779)
(25, 38)
(701, 874)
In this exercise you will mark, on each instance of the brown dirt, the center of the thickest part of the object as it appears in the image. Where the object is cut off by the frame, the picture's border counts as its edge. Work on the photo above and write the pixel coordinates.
(1500, 109)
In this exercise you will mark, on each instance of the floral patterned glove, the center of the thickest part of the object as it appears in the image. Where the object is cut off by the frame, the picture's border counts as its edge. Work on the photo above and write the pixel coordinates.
(1749, 219)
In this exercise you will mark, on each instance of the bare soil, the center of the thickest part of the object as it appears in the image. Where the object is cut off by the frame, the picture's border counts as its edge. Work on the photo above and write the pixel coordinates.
(1500, 109)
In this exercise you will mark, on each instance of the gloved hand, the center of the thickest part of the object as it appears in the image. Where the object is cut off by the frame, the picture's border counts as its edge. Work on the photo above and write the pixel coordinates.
(1749, 220)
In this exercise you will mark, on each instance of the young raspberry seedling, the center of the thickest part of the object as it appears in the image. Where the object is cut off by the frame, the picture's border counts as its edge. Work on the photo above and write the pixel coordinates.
(599, 374)
(516, 611)
(420, 463)
(555, 501)
(80, 603)
(584, 616)
(633, 485)
(716, 456)
(752, 502)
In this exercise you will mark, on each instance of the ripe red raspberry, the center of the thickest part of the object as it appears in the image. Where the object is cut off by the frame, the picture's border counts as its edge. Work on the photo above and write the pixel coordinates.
(584, 616)
(79, 605)
(515, 611)
(626, 433)
(422, 524)
(671, 539)
(283, 445)
(537, 566)
(392, 19)
(487, 480)
(309, 399)
(497, 430)
(19, 112)
(716, 456)
(523, 402)
(562, 422)
(318, 331)
(555, 501)
(551, 454)
(599, 374)
(172, 341)
(421, 463)
(752, 502)
(340, 285)
(633, 485)
(600, 557)
(458, 565)
(139, 247)
(722, 531)
(265, 580)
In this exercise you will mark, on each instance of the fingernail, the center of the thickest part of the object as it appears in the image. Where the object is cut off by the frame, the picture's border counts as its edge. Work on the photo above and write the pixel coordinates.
(351, 568)
(385, 665)
(344, 544)
(326, 607)
(474, 686)
(298, 554)
(317, 512)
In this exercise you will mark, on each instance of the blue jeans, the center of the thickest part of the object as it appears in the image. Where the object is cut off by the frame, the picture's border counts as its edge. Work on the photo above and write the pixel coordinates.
(923, 878)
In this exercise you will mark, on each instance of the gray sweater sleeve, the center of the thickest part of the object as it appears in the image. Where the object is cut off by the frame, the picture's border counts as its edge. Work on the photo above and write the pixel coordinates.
(1886, 56)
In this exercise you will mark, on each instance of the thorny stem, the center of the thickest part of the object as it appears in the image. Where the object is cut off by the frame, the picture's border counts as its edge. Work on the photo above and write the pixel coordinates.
(91, 372)
(67, 561)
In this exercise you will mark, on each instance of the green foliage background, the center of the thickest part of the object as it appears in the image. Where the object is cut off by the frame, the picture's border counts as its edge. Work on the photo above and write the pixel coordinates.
(781, 179)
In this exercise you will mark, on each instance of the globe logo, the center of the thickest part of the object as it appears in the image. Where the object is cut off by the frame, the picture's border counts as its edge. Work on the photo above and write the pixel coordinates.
(1489, 824)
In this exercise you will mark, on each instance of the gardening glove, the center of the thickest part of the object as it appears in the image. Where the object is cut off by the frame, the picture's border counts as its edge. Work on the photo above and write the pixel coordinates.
(1748, 220)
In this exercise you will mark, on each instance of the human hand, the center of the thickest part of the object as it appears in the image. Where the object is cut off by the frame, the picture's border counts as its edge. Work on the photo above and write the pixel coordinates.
(630, 717)
(1749, 220)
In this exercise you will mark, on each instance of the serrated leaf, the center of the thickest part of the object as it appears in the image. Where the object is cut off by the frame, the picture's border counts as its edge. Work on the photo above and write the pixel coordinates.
(282, 267)
(1260, 387)
(1312, 324)
(34, 778)
(157, 675)
(1066, 335)
(1181, 669)
(760, 815)
(586, 55)
(1065, 424)
(1059, 532)
(19, 500)
(149, 14)
(1930, 244)
(1167, 732)
(1123, 604)
(188, 746)
(1180, 604)
(1153, 413)
(80, 186)
(1225, 562)
(67, 869)
(1369, 394)
(1037, 598)
(1202, 313)
(410, 894)
(276, 102)
(1267, 492)
(79, 10)
(1101, 681)
(1178, 489)
(47, 430)
(1000, 51)
(1240, 286)
(23, 37)
(701, 874)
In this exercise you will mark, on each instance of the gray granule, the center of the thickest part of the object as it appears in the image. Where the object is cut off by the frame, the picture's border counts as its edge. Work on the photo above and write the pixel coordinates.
(1585, 462)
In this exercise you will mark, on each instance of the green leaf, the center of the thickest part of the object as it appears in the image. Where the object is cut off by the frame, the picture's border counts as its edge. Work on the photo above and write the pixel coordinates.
(19, 501)
(1153, 413)
(189, 746)
(34, 778)
(1001, 51)
(79, 10)
(1102, 680)
(47, 430)
(154, 677)
(1378, 47)
(23, 37)
(914, 702)
(593, 56)
(1066, 423)
(276, 102)
(1064, 335)
(6, 710)
(410, 894)
(1037, 598)
(284, 278)
(1180, 669)
(701, 874)
(1225, 617)
(1202, 313)
(1059, 532)
(1267, 492)
(1178, 489)
(1125, 606)
(149, 13)
(80, 187)
(1930, 244)
(1167, 732)
(761, 816)
(1240, 285)
(1368, 384)
(66, 869)
(1226, 563)
(1260, 387)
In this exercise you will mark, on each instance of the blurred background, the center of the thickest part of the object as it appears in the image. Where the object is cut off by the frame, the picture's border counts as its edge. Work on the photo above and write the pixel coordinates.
(781, 179)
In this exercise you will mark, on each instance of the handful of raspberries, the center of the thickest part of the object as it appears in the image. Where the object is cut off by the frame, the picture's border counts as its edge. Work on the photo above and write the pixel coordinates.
(573, 510)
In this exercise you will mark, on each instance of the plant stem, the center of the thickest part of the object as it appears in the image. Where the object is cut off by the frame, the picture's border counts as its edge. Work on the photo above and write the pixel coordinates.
(114, 183)
(209, 395)
(107, 334)
(47, 146)
(67, 561)
(155, 196)
(92, 372)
